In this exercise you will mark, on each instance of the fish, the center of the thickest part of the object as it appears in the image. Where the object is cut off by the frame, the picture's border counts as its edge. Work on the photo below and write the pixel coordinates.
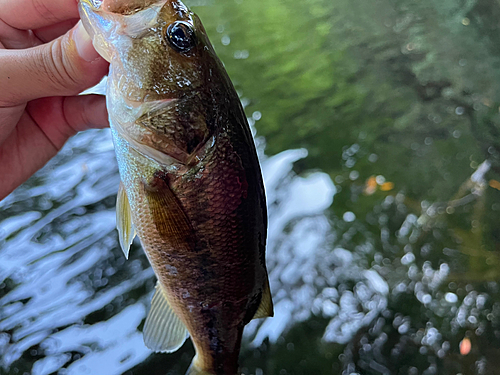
(191, 186)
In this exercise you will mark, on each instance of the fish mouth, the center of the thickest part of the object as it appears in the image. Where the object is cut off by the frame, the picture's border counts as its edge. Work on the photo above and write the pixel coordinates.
(123, 7)
(95, 4)
(110, 21)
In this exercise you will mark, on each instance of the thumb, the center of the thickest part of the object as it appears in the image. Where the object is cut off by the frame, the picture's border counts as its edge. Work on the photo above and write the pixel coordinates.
(63, 67)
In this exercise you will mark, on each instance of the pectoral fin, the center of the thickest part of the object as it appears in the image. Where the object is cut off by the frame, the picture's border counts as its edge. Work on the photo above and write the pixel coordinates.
(168, 215)
(163, 330)
(265, 309)
(126, 230)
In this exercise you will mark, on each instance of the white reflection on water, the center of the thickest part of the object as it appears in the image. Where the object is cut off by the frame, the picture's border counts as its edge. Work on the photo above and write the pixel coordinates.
(120, 343)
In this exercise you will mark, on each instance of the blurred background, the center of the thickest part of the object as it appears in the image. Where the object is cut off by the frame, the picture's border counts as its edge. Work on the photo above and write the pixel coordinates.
(377, 124)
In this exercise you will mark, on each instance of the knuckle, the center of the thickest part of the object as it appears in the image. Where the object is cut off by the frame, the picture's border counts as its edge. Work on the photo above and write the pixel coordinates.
(58, 68)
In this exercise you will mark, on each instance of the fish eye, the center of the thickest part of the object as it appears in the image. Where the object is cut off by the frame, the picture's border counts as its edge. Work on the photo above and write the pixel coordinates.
(180, 36)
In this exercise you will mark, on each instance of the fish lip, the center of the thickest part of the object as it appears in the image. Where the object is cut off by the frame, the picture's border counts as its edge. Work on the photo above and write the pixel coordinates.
(108, 6)
(95, 4)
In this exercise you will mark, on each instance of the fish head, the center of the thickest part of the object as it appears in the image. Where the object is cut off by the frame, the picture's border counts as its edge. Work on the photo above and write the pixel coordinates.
(165, 77)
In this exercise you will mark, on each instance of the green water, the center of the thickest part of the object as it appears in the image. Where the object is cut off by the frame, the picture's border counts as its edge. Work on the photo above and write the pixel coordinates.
(398, 103)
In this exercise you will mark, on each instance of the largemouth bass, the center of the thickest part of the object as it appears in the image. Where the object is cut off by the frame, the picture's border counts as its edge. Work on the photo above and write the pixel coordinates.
(191, 187)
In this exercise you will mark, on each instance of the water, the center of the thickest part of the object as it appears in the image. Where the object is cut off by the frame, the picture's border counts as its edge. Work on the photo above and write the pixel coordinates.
(377, 128)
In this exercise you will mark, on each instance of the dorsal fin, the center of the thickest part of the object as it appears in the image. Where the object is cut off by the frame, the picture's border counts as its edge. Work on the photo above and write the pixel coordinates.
(124, 224)
(163, 330)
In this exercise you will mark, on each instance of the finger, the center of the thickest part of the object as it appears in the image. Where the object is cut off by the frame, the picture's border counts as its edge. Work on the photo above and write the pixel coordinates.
(20, 39)
(34, 14)
(9, 117)
(86, 112)
(61, 117)
(25, 151)
(13, 38)
(48, 33)
(42, 131)
(64, 67)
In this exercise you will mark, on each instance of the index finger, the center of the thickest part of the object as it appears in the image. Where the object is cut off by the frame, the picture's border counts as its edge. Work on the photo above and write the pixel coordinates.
(33, 14)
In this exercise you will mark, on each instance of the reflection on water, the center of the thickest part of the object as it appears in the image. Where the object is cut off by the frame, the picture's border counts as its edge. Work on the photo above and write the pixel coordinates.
(384, 237)
(58, 266)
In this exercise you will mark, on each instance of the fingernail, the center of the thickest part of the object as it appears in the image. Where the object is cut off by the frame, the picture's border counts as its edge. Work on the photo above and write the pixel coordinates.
(83, 43)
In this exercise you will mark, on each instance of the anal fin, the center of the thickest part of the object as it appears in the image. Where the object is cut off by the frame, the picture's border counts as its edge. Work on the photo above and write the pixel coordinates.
(126, 230)
(265, 309)
(163, 330)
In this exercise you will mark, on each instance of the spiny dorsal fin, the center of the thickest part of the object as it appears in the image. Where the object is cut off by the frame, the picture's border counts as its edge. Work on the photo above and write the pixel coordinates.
(265, 309)
(126, 230)
(163, 330)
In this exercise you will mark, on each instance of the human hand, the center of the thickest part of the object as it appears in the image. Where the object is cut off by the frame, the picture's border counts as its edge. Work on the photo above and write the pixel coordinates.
(45, 61)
